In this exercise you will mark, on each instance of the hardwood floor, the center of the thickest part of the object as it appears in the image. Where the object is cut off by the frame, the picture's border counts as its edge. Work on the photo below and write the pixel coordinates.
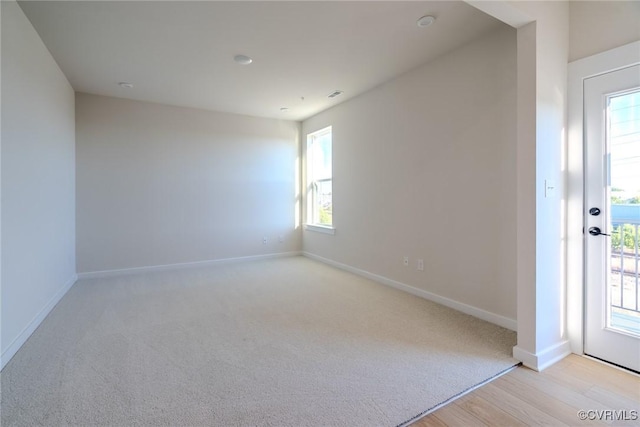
(553, 397)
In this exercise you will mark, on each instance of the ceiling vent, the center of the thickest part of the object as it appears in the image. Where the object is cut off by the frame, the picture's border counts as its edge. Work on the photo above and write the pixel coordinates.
(334, 94)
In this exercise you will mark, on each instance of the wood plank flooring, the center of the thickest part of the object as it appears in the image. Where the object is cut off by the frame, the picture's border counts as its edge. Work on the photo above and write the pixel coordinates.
(553, 397)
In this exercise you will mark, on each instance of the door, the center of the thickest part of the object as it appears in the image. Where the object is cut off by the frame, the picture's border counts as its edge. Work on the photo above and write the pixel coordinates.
(612, 216)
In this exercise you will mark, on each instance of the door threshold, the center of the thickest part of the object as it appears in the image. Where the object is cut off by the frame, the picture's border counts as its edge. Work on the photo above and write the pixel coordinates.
(612, 365)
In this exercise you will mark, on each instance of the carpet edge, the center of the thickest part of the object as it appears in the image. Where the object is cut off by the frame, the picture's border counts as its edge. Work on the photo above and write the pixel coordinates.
(459, 395)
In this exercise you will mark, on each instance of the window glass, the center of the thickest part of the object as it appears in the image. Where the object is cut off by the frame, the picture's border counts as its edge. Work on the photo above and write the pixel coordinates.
(320, 178)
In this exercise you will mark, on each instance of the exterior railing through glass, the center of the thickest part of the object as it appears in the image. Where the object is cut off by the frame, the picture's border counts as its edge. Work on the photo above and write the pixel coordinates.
(624, 267)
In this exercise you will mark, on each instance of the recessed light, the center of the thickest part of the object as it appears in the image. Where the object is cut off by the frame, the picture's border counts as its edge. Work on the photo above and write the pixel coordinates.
(126, 85)
(334, 94)
(426, 20)
(242, 59)
(284, 109)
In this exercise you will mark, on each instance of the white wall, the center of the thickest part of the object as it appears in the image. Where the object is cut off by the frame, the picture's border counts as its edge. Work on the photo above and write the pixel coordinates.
(38, 181)
(424, 166)
(547, 340)
(161, 185)
(597, 26)
(543, 49)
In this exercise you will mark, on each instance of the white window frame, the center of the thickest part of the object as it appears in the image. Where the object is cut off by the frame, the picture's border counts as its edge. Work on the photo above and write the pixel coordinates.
(311, 223)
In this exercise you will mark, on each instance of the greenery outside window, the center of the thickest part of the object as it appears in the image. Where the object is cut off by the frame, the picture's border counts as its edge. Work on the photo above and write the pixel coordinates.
(319, 179)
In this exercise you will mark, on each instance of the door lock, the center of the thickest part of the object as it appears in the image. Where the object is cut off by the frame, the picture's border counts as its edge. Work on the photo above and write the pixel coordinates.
(595, 231)
(594, 211)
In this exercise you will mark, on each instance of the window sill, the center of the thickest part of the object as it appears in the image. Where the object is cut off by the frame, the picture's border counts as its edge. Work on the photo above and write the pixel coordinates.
(320, 228)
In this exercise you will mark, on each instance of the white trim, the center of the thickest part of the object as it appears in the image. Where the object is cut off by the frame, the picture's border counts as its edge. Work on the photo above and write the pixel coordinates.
(23, 336)
(496, 319)
(578, 71)
(308, 166)
(320, 132)
(545, 358)
(320, 229)
(155, 268)
(503, 11)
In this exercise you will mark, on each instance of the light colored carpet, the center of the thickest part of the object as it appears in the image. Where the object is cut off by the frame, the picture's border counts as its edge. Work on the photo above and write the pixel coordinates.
(281, 342)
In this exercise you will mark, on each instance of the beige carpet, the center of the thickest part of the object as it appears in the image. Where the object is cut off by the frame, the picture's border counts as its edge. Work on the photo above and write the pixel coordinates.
(282, 342)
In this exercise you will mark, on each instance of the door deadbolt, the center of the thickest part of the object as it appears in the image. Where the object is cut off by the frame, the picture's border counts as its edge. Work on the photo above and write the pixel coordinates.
(594, 211)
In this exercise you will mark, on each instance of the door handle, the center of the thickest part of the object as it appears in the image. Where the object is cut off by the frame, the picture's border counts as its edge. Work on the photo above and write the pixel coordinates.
(595, 231)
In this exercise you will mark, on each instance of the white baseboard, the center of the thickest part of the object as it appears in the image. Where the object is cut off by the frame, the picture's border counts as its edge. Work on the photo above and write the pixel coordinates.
(155, 268)
(496, 319)
(544, 358)
(13, 348)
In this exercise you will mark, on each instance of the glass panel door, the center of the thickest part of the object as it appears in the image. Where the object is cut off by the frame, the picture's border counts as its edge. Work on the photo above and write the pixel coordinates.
(623, 139)
(612, 216)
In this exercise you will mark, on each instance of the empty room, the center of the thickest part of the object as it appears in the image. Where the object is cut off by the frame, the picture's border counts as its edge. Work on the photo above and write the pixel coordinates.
(320, 213)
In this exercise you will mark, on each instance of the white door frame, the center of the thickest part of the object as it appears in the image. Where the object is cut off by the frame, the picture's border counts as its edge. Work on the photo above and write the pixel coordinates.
(579, 70)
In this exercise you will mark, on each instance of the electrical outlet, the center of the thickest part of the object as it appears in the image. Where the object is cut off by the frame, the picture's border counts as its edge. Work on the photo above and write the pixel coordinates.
(420, 264)
(264, 240)
(281, 238)
(405, 261)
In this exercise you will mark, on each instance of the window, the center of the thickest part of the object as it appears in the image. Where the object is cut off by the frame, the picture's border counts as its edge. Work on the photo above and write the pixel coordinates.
(319, 180)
